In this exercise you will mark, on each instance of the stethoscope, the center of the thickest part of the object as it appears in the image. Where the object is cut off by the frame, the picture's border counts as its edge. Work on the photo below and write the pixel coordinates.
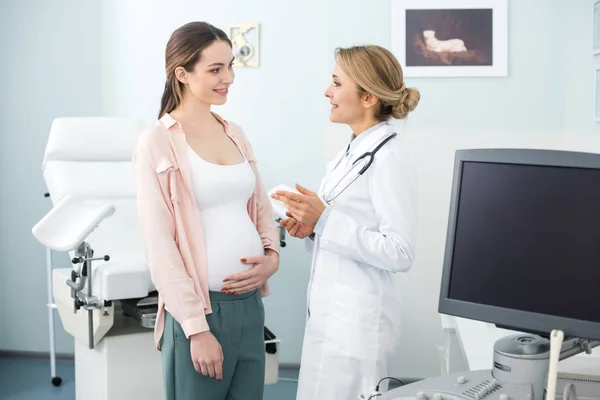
(366, 158)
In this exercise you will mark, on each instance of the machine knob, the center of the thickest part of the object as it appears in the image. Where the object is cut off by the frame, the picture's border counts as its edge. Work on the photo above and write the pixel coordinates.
(503, 396)
(438, 396)
(422, 396)
(77, 304)
(461, 380)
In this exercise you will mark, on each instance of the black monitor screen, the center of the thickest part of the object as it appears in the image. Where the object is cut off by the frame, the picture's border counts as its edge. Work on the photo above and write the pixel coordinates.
(527, 238)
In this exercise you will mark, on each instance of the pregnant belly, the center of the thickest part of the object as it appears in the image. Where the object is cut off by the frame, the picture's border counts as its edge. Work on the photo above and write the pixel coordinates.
(229, 236)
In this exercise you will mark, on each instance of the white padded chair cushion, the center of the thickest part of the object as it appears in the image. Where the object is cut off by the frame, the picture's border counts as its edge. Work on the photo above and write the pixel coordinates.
(94, 179)
(103, 139)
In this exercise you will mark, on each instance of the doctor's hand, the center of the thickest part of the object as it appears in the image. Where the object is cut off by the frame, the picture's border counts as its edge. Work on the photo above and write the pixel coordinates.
(207, 354)
(262, 269)
(295, 228)
(306, 207)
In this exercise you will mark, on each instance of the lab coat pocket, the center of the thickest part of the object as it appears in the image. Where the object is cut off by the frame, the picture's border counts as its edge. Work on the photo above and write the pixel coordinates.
(353, 329)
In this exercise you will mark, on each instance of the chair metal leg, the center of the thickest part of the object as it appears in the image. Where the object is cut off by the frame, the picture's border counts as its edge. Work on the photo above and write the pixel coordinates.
(56, 381)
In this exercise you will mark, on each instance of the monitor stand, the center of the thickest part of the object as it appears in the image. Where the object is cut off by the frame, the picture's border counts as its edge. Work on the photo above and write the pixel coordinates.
(519, 372)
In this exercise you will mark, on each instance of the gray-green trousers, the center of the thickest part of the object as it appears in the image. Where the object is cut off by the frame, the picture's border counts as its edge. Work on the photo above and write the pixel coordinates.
(237, 322)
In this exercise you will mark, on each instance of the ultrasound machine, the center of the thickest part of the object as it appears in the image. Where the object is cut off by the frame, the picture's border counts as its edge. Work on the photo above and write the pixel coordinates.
(522, 253)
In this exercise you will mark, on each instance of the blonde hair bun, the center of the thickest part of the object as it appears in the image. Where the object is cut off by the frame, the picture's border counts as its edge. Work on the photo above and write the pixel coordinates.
(375, 70)
(408, 101)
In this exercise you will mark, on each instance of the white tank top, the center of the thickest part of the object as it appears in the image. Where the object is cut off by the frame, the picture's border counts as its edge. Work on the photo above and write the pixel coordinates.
(222, 193)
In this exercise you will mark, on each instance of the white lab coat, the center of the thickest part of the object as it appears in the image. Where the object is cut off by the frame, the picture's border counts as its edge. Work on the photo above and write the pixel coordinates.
(353, 322)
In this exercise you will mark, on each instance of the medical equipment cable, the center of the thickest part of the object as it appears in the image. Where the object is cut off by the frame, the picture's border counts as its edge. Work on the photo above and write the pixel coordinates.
(379, 384)
(390, 378)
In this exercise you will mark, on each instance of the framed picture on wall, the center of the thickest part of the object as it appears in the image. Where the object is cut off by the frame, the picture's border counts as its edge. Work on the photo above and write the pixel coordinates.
(450, 37)
(597, 96)
(596, 39)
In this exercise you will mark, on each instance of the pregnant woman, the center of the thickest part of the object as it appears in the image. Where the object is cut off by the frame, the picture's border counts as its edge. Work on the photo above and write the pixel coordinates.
(207, 227)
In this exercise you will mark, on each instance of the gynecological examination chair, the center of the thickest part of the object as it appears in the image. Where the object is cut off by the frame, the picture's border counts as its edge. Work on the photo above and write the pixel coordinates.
(105, 298)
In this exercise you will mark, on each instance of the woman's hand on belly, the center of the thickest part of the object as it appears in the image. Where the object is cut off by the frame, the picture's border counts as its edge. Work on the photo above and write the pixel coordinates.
(262, 269)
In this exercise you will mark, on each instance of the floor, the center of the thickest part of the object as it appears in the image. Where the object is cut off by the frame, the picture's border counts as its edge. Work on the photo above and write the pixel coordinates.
(29, 379)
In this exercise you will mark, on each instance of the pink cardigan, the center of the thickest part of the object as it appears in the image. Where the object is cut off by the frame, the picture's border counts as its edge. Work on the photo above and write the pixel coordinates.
(170, 222)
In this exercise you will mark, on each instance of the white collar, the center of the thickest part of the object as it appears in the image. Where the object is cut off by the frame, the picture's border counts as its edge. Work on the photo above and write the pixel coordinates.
(353, 144)
(369, 142)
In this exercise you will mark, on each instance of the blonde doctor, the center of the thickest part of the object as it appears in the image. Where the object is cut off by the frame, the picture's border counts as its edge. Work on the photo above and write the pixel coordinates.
(361, 229)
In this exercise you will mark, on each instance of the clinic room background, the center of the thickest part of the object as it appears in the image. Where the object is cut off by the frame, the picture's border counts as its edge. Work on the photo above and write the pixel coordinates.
(95, 58)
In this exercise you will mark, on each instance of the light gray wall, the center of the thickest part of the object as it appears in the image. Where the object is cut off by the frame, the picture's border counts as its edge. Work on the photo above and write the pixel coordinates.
(580, 68)
(51, 66)
(107, 66)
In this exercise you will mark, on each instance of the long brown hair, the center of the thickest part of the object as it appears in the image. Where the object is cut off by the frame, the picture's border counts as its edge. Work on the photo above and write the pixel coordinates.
(183, 50)
(375, 70)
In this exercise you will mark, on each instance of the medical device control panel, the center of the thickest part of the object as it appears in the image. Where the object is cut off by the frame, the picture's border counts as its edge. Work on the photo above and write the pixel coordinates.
(475, 385)
(481, 385)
